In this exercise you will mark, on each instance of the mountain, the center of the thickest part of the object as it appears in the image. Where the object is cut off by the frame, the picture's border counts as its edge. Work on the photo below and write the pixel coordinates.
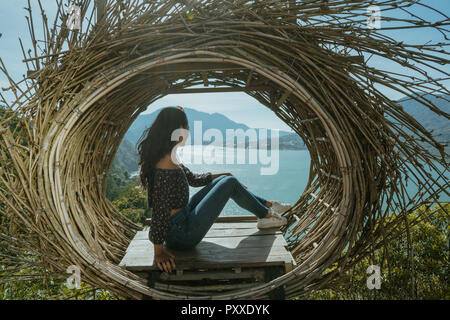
(291, 141)
(208, 121)
(430, 120)
(126, 157)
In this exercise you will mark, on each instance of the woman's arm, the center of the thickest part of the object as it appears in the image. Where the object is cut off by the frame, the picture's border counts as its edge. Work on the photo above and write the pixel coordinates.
(196, 179)
(220, 174)
(160, 223)
(202, 179)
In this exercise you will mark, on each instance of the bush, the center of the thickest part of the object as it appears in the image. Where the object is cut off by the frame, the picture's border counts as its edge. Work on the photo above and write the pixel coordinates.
(429, 278)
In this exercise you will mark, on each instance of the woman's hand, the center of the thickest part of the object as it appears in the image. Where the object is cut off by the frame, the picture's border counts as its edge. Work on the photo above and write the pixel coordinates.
(165, 260)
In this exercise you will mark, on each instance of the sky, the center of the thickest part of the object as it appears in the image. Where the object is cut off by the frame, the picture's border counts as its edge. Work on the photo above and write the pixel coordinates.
(237, 106)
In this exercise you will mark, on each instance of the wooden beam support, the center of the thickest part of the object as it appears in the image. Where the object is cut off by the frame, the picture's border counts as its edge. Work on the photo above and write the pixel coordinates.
(272, 99)
(249, 79)
(308, 120)
(222, 219)
(204, 90)
(283, 98)
(205, 78)
(193, 67)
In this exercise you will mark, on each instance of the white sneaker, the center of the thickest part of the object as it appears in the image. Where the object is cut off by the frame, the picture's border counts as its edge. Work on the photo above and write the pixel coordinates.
(279, 207)
(274, 221)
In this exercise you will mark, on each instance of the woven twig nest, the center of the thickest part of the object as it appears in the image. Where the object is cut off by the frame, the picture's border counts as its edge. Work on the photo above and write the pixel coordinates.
(87, 87)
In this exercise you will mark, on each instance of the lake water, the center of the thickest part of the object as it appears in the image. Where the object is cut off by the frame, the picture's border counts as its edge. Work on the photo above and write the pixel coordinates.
(286, 185)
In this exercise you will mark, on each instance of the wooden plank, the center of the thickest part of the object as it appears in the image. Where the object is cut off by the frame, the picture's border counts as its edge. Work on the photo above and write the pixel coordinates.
(215, 275)
(240, 232)
(144, 258)
(223, 219)
(228, 225)
(143, 235)
(238, 256)
(145, 263)
(236, 218)
(221, 232)
(200, 289)
(236, 225)
(227, 244)
(211, 248)
(141, 258)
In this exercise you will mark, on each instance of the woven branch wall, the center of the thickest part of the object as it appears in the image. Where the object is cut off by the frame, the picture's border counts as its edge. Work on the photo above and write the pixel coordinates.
(308, 61)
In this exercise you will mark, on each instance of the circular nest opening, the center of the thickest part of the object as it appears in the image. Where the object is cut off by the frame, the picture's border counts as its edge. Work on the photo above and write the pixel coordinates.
(85, 99)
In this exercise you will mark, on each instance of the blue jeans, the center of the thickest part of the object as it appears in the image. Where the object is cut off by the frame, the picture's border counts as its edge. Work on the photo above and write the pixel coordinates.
(190, 225)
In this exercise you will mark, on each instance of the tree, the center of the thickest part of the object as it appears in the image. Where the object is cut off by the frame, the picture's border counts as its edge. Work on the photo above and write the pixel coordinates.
(427, 279)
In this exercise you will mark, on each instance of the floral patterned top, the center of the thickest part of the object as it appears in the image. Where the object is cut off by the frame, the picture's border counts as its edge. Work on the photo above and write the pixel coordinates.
(171, 191)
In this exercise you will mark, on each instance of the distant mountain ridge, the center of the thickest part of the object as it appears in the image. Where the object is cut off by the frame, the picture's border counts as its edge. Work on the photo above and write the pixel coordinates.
(208, 121)
(427, 118)
(126, 156)
(439, 125)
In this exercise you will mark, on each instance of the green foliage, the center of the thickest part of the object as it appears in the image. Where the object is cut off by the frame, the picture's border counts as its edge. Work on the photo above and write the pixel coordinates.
(132, 203)
(117, 180)
(429, 278)
(126, 195)
(15, 126)
(30, 281)
(25, 282)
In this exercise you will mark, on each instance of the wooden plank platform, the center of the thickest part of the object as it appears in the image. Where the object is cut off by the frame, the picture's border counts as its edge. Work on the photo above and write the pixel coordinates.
(230, 243)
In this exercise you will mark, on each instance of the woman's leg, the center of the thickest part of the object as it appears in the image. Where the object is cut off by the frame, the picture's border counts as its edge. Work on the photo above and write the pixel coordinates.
(196, 198)
(202, 216)
(262, 200)
(178, 238)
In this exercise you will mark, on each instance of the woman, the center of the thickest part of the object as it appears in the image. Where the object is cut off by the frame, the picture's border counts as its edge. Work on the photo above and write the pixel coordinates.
(177, 220)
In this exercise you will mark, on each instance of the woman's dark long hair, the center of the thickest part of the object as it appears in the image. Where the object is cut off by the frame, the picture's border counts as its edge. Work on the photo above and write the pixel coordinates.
(156, 142)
